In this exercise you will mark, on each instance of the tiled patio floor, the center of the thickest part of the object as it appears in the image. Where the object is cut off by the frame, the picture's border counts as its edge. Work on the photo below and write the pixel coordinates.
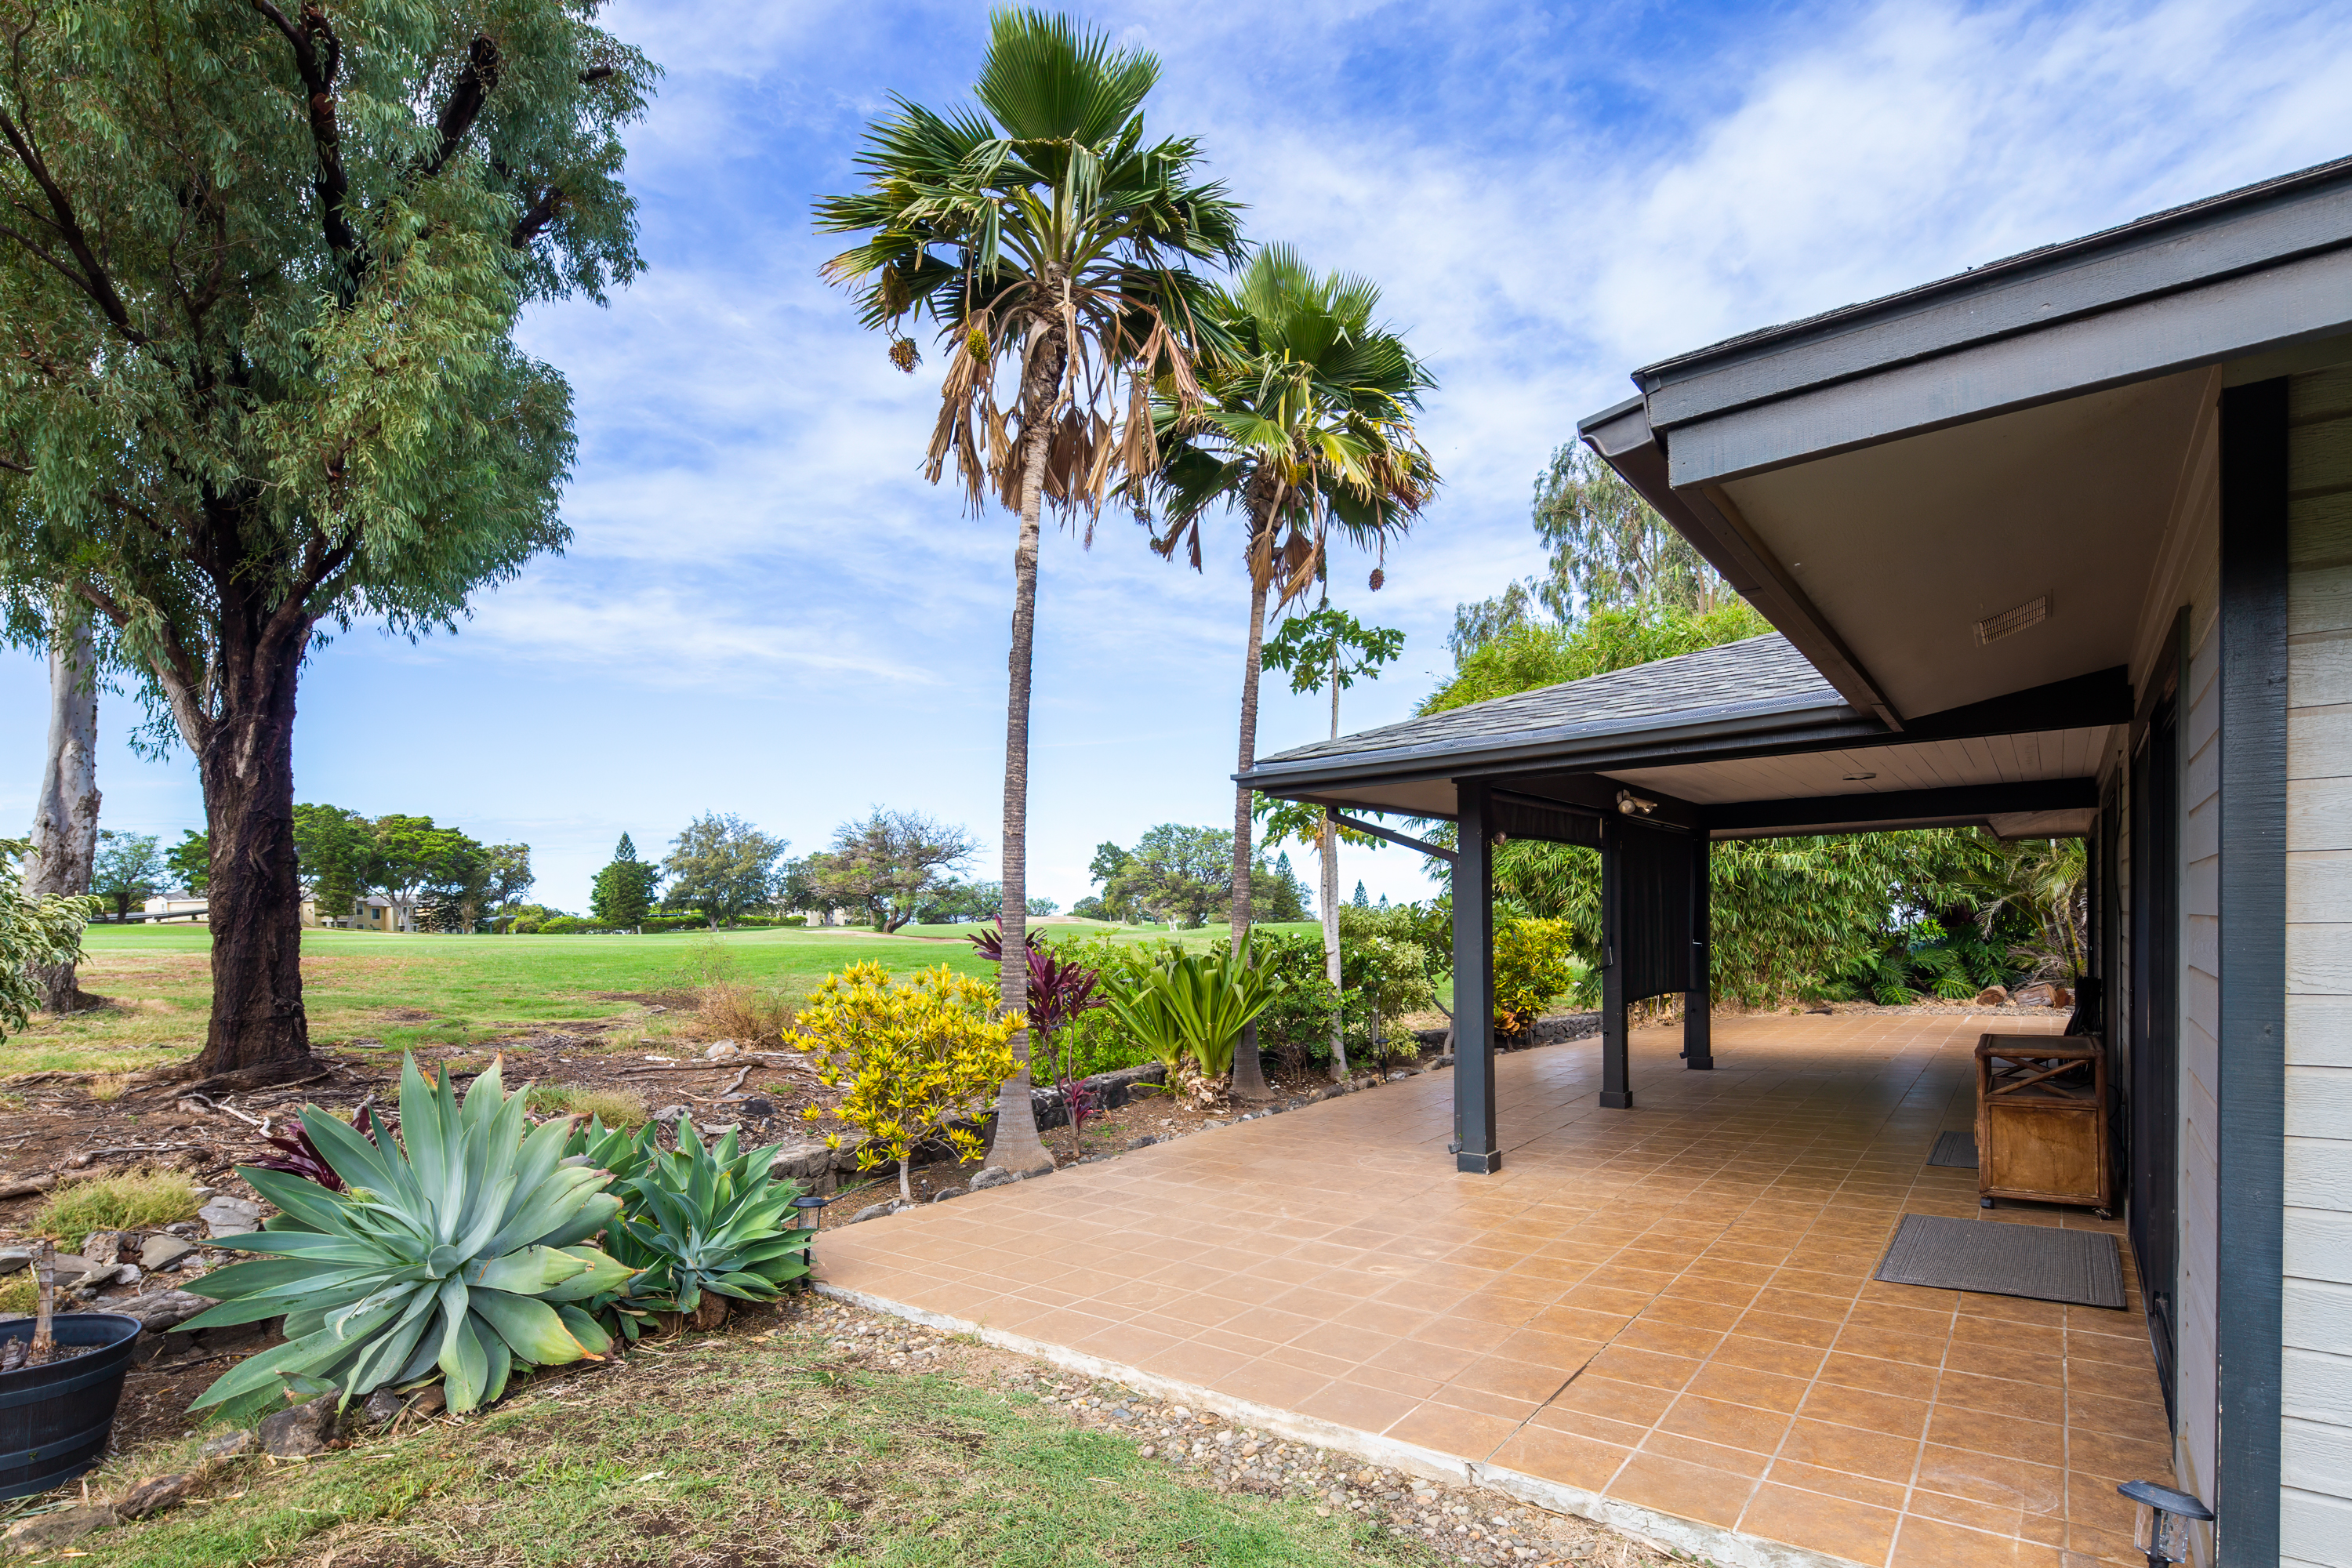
(1662, 1317)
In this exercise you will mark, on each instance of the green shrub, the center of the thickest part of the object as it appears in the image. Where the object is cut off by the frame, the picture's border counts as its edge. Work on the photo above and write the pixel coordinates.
(525, 928)
(139, 1200)
(567, 925)
(20, 1295)
(1533, 964)
(793, 920)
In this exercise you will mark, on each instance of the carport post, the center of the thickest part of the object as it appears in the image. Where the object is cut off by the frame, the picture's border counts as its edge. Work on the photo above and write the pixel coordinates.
(1474, 986)
(1616, 1091)
(1698, 1001)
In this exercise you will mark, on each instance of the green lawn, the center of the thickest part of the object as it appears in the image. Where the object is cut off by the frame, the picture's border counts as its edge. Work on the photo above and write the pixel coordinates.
(772, 1450)
(418, 990)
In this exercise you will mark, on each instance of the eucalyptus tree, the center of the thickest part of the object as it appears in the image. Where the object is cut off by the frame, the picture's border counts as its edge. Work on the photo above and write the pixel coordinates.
(259, 272)
(1051, 244)
(65, 812)
(1306, 427)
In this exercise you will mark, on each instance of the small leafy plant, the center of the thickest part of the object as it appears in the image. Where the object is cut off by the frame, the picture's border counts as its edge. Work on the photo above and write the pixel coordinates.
(298, 1156)
(1190, 1007)
(917, 1056)
(457, 1250)
(1533, 963)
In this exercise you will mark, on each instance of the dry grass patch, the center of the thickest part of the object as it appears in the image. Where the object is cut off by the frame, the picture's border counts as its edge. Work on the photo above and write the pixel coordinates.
(743, 1014)
(136, 1199)
(614, 1107)
(107, 1087)
(19, 1294)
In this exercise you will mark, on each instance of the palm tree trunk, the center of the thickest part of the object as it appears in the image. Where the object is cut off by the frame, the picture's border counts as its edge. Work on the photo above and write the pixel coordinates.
(1015, 1145)
(1249, 1072)
(1330, 845)
(65, 817)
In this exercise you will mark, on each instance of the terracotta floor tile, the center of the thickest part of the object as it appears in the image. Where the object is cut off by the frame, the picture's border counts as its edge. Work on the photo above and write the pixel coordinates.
(1578, 1322)
(1193, 1362)
(1881, 1456)
(1768, 1355)
(1629, 1365)
(1126, 1344)
(1518, 1379)
(1888, 1344)
(1932, 1543)
(1682, 1489)
(1817, 1333)
(2002, 1397)
(1718, 1421)
(1414, 1384)
(1449, 1430)
(1743, 1462)
(1354, 1405)
(2105, 1381)
(2003, 1361)
(2125, 1419)
(1647, 1333)
(1837, 1483)
(1422, 1359)
(1719, 1379)
(2119, 1458)
(2041, 1442)
(1636, 1404)
(1833, 1525)
(1992, 1478)
(1866, 1408)
(1801, 1304)
(1564, 1458)
(1562, 1418)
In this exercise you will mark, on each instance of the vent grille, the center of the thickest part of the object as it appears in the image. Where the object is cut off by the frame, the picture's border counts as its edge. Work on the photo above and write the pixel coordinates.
(2008, 622)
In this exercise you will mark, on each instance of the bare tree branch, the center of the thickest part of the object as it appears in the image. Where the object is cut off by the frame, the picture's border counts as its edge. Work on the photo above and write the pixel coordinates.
(474, 85)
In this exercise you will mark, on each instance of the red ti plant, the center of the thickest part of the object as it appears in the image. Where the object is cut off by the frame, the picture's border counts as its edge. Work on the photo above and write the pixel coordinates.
(1059, 990)
(301, 1157)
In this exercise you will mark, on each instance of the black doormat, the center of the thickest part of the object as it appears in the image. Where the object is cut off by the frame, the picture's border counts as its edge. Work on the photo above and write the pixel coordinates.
(2039, 1262)
(1956, 1149)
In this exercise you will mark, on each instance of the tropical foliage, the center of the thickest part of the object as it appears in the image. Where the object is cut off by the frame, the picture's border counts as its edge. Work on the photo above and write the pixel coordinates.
(34, 933)
(1049, 237)
(1532, 966)
(461, 1248)
(1189, 1008)
(1061, 993)
(918, 1059)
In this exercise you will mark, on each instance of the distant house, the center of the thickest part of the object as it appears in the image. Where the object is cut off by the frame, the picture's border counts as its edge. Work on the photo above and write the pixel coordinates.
(178, 904)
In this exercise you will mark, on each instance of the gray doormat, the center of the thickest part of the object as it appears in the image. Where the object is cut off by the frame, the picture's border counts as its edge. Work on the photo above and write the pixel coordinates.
(2039, 1262)
(1956, 1149)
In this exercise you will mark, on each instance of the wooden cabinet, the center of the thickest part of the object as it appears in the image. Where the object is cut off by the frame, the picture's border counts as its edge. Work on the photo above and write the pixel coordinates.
(2041, 1119)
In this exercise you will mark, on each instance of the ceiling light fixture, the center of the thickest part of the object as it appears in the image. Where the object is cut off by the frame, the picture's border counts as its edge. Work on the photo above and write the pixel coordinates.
(2010, 622)
(1633, 804)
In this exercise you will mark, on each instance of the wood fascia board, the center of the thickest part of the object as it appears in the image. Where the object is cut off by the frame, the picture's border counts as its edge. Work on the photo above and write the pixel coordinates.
(1967, 802)
(2192, 535)
(2296, 302)
(2165, 254)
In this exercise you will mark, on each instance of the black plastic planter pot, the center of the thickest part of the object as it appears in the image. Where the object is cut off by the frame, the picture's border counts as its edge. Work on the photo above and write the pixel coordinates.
(54, 1420)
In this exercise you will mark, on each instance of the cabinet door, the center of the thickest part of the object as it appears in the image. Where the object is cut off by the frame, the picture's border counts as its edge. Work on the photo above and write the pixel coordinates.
(2045, 1148)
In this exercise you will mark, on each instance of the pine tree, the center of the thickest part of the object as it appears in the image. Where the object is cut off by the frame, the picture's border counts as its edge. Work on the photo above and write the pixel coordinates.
(623, 893)
(1360, 900)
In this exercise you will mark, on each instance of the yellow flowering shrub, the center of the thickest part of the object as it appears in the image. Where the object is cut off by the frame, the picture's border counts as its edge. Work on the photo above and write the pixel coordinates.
(1532, 965)
(916, 1053)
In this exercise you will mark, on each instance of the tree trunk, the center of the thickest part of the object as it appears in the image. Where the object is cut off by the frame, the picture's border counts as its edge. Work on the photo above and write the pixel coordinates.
(1249, 1072)
(258, 1030)
(65, 816)
(1331, 847)
(1014, 1144)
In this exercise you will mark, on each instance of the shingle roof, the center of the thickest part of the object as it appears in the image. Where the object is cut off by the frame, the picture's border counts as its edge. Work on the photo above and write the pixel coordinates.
(1757, 677)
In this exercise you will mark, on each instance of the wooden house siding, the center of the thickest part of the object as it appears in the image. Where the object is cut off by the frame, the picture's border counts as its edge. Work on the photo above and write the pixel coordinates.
(2197, 1394)
(2315, 1437)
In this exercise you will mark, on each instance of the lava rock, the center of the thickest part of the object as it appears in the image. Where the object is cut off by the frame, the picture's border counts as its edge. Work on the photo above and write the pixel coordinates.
(162, 1251)
(107, 1246)
(757, 1106)
(230, 1216)
(673, 1112)
(154, 1495)
(382, 1406)
(44, 1531)
(1146, 1142)
(305, 1430)
(234, 1445)
(944, 1193)
(159, 1311)
(432, 1401)
(991, 1176)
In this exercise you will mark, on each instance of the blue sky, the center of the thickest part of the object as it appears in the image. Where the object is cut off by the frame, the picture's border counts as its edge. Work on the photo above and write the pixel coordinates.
(764, 609)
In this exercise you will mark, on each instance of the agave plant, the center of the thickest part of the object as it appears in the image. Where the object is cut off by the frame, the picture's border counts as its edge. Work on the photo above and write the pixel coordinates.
(709, 1218)
(461, 1248)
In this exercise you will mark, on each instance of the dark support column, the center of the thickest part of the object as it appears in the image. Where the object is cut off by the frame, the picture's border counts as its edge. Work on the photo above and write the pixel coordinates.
(1698, 1001)
(2250, 1176)
(1616, 1089)
(1474, 987)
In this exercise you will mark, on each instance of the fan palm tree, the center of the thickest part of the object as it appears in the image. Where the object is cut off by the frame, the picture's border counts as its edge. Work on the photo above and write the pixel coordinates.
(1305, 426)
(1049, 244)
